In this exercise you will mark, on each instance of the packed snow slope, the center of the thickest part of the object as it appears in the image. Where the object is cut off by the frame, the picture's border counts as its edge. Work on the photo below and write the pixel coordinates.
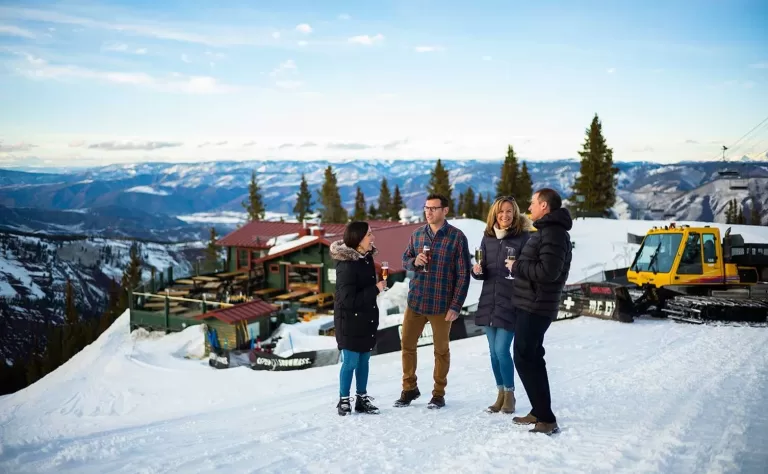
(653, 396)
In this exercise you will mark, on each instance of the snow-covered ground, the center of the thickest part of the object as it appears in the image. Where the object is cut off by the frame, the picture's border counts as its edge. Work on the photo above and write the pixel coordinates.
(651, 396)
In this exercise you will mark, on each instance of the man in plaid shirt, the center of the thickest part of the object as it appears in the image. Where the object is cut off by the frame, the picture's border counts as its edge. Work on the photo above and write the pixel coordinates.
(436, 295)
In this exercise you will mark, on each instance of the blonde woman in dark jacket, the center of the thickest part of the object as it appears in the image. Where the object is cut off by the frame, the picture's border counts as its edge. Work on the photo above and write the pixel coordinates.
(355, 314)
(506, 228)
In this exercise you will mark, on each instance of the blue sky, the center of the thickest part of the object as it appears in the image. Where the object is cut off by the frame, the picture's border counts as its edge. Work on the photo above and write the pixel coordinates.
(104, 82)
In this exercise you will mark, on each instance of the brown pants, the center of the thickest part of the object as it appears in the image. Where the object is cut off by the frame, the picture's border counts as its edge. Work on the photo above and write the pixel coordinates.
(413, 325)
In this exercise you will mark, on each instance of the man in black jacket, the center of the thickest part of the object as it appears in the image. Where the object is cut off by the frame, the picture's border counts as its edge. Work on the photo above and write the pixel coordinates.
(540, 274)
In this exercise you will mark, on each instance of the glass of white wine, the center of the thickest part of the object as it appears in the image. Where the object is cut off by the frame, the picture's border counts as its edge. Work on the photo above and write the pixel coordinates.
(479, 258)
(510, 258)
(385, 273)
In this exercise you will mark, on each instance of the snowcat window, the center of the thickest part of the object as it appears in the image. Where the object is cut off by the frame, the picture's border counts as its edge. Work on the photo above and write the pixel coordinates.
(710, 254)
(657, 254)
(690, 262)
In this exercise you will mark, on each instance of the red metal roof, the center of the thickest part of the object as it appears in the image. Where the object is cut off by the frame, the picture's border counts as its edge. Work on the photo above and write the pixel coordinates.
(256, 234)
(319, 240)
(392, 242)
(255, 309)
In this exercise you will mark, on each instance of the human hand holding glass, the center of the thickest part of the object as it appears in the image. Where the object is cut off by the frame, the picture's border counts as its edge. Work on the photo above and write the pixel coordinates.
(426, 250)
(384, 273)
(479, 260)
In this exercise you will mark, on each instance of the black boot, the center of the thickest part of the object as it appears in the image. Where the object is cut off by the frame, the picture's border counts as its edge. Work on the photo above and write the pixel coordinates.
(363, 405)
(344, 406)
(407, 396)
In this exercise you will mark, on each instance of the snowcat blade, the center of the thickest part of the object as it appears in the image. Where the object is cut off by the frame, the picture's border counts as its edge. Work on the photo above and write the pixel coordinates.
(604, 300)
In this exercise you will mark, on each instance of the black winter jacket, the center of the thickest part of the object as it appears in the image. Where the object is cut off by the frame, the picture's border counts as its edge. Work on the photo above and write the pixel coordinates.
(355, 313)
(542, 268)
(495, 306)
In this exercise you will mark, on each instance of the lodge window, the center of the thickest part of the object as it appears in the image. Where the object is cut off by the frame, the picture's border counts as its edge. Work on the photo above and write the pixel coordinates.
(242, 259)
(303, 276)
(274, 268)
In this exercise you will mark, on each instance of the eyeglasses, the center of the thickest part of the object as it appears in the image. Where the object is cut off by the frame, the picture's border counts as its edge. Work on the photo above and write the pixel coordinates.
(433, 209)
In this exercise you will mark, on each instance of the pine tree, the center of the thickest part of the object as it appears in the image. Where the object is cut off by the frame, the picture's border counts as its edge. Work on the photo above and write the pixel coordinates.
(330, 200)
(524, 189)
(755, 211)
(439, 183)
(397, 205)
(730, 212)
(507, 185)
(597, 178)
(385, 200)
(470, 207)
(303, 201)
(254, 205)
(482, 213)
(131, 276)
(211, 251)
(460, 207)
(72, 334)
(359, 211)
(372, 212)
(740, 216)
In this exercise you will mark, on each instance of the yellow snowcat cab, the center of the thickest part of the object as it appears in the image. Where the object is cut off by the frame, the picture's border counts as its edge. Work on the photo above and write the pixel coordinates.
(685, 273)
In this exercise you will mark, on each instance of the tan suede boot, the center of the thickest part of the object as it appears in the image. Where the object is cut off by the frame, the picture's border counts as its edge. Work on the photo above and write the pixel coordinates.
(525, 420)
(496, 407)
(509, 402)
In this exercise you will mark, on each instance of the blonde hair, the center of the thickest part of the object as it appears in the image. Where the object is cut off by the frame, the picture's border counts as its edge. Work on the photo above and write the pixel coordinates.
(520, 222)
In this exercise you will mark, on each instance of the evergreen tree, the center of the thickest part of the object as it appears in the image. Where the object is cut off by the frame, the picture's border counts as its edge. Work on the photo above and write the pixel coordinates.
(597, 178)
(254, 205)
(372, 212)
(72, 340)
(470, 207)
(397, 205)
(131, 276)
(330, 200)
(482, 212)
(440, 183)
(730, 212)
(359, 211)
(460, 207)
(755, 211)
(385, 200)
(740, 216)
(524, 189)
(34, 370)
(303, 201)
(211, 251)
(507, 185)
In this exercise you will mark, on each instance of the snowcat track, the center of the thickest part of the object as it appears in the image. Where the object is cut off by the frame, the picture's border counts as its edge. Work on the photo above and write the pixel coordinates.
(714, 310)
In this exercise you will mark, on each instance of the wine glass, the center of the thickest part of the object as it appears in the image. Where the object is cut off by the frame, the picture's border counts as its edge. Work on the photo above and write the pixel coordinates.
(479, 258)
(385, 272)
(510, 258)
(426, 251)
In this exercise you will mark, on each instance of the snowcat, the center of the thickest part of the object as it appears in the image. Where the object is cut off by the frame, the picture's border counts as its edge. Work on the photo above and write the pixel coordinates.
(685, 273)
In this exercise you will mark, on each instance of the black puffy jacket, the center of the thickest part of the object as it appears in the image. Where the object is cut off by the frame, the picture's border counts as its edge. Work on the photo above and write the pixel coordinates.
(542, 268)
(495, 305)
(355, 312)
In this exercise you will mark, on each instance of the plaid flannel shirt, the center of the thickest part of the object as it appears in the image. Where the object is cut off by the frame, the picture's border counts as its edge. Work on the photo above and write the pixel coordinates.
(445, 286)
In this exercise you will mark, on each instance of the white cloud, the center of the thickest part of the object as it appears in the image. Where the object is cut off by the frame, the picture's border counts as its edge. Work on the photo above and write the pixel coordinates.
(610, 70)
(22, 146)
(276, 35)
(303, 43)
(36, 68)
(344, 17)
(122, 48)
(10, 30)
(304, 28)
(185, 58)
(141, 51)
(366, 40)
(152, 30)
(287, 65)
(487, 58)
(289, 84)
(127, 146)
(427, 49)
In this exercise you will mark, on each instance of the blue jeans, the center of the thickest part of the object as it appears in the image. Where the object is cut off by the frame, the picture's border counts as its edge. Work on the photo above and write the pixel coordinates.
(353, 363)
(500, 344)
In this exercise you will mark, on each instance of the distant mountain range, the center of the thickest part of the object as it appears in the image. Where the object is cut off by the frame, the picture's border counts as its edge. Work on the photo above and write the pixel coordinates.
(136, 199)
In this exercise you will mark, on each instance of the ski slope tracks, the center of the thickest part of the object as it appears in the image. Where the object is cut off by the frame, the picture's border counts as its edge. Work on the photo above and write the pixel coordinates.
(651, 396)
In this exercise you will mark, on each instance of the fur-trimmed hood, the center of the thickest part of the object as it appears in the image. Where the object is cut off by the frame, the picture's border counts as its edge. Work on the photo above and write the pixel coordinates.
(339, 251)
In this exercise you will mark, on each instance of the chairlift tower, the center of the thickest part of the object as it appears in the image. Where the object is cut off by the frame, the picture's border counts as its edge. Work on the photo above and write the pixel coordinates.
(735, 180)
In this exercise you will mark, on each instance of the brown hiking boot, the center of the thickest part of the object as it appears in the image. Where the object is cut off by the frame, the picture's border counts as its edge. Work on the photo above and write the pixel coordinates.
(509, 402)
(546, 428)
(496, 407)
(525, 420)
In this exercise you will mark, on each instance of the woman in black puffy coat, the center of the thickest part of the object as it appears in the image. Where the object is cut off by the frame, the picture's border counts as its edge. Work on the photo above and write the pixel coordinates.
(506, 227)
(355, 314)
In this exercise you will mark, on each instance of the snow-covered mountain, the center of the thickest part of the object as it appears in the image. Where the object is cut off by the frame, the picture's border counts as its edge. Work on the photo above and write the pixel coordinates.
(34, 271)
(184, 189)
